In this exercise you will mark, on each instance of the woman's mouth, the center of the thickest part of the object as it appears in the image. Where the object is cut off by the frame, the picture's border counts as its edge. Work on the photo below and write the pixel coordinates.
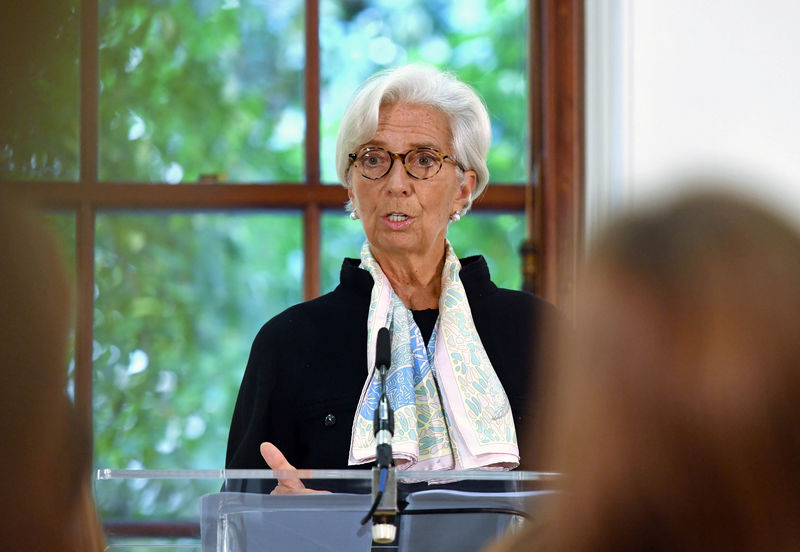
(397, 221)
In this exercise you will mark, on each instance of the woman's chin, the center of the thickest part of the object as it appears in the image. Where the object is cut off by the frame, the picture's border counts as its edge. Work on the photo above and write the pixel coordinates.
(403, 245)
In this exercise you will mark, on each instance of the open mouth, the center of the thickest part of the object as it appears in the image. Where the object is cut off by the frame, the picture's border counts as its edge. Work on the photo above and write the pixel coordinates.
(396, 217)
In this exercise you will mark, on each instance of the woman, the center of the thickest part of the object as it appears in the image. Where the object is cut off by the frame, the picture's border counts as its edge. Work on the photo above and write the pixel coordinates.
(411, 152)
(677, 421)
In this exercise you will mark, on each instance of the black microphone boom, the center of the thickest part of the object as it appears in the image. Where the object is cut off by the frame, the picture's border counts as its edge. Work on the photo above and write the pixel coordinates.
(383, 419)
(383, 349)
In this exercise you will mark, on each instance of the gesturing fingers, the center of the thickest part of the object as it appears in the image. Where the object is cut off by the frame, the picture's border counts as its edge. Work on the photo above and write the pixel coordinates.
(277, 461)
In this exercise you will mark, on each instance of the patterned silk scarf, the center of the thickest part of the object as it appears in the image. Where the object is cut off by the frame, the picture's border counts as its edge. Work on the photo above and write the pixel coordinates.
(451, 411)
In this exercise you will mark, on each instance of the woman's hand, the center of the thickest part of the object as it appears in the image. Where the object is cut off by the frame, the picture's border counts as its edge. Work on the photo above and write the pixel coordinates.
(277, 461)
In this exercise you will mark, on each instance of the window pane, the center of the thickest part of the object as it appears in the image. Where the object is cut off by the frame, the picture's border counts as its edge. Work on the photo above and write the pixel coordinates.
(193, 88)
(341, 237)
(498, 238)
(483, 41)
(39, 86)
(495, 236)
(63, 226)
(179, 299)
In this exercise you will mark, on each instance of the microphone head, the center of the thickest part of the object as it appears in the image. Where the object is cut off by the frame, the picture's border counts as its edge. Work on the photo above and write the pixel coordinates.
(383, 348)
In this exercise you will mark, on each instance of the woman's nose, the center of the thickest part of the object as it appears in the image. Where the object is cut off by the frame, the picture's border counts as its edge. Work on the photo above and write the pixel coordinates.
(398, 181)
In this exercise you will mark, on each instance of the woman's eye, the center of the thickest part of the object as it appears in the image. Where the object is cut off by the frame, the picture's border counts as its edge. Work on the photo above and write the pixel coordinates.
(425, 160)
(372, 160)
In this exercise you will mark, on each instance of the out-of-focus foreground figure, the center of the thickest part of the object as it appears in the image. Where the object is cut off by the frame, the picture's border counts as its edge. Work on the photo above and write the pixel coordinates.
(44, 468)
(675, 417)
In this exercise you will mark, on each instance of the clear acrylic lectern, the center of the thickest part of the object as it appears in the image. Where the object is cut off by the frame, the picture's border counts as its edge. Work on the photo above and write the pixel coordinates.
(232, 510)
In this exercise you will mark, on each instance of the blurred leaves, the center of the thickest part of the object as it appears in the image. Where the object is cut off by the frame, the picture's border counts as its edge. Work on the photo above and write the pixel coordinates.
(195, 87)
(495, 236)
(39, 90)
(484, 42)
(179, 299)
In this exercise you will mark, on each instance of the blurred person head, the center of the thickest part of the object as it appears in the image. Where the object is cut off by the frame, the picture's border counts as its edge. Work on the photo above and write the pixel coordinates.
(675, 415)
(44, 469)
(466, 128)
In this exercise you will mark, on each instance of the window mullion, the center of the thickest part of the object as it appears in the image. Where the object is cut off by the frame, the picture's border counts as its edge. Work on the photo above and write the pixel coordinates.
(311, 214)
(84, 242)
(85, 225)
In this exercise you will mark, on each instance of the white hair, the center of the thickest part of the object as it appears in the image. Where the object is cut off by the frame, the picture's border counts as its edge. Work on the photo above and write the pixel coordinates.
(428, 87)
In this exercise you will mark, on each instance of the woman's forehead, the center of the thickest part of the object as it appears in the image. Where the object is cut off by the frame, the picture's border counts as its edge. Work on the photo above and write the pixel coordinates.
(406, 126)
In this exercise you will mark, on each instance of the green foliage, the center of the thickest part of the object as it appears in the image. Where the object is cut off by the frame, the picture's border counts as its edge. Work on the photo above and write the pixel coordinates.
(484, 42)
(495, 236)
(191, 87)
(342, 238)
(194, 87)
(179, 299)
(63, 227)
(39, 87)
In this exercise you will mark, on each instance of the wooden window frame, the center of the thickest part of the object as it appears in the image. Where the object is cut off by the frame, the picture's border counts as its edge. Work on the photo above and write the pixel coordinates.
(551, 198)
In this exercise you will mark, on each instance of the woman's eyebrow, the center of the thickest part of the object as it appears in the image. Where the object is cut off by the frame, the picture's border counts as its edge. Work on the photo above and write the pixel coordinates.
(372, 144)
(413, 145)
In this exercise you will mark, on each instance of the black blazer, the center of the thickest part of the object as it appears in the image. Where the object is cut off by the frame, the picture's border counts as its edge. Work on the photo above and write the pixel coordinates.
(307, 367)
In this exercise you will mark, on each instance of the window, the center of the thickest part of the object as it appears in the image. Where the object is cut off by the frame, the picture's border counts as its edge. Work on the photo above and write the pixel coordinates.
(192, 145)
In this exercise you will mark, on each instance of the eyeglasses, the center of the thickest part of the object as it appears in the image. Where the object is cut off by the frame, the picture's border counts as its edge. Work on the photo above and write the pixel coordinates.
(420, 163)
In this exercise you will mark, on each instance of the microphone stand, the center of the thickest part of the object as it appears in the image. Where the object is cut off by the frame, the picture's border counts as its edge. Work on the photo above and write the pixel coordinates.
(384, 481)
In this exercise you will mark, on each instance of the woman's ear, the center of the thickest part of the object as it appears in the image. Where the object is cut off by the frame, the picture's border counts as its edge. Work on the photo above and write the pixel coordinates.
(351, 196)
(465, 191)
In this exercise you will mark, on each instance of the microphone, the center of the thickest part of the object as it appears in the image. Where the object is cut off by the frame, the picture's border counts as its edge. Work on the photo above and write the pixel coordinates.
(383, 348)
(384, 483)
(383, 419)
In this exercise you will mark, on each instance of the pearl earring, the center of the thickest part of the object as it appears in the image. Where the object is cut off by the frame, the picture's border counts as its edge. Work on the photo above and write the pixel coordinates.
(455, 217)
(353, 215)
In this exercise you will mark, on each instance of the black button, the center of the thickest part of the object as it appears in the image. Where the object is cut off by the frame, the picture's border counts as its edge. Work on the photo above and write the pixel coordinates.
(330, 419)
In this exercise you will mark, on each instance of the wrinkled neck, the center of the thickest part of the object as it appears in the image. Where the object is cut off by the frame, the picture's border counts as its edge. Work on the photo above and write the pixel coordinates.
(417, 281)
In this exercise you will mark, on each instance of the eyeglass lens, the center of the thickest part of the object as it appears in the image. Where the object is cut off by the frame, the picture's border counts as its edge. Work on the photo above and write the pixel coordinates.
(419, 163)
